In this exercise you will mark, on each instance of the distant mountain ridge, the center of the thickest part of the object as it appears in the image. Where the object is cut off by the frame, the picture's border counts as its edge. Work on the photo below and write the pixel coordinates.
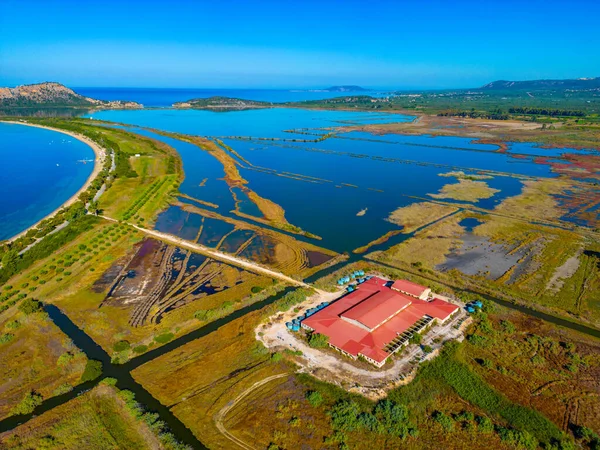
(576, 84)
(52, 94)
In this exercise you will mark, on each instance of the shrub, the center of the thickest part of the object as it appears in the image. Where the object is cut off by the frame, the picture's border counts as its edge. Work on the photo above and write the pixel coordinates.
(427, 348)
(416, 339)
(485, 326)
(465, 416)
(508, 327)
(6, 338)
(121, 346)
(393, 418)
(31, 401)
(164, 338)
(484, 424)
(140, 348)
(30, 306)
(518, 439)
(294, 422)
(93, 369)
(538, 360)
(276, 357)
(344, 415)
(445, 421)
(65, 359)
(109, 381)
(127, 396)
(317, 340)
(62, 389)
(13, 325)
(477, 340)
(314, 398)
(256, 289)
(485, 363)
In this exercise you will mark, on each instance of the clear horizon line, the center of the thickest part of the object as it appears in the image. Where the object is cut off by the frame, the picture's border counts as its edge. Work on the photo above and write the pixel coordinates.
(276, 89)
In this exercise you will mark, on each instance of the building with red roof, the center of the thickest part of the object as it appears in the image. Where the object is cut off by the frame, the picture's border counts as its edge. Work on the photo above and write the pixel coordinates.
(412, 289)
(376, 319)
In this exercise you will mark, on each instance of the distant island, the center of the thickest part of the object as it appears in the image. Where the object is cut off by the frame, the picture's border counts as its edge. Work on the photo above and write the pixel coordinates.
(348, 88)
(221, 103)
(55, 95)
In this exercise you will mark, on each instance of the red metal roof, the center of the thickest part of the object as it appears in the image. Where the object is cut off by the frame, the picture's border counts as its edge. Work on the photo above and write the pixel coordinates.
(377, 307)
(371, 304)
(409, 287)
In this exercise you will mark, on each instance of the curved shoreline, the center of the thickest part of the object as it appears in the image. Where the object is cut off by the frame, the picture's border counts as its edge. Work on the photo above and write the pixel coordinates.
(99, 159)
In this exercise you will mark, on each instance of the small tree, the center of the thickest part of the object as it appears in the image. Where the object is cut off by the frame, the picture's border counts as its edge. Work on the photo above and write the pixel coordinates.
(9, 260)
(30, 306)
(31, 401)
(508, 327)
(484, 424)
(317, 340)
(445, 421)
(121, 346)
(314, 398)
(93, 369)
(94, 207)
(416, 339)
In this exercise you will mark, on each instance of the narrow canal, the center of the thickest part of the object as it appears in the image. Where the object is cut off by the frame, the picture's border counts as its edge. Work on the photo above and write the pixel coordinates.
(122, 372)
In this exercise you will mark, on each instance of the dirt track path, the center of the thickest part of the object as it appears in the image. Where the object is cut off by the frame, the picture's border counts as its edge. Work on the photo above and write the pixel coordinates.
(220, 416)
(224, 257)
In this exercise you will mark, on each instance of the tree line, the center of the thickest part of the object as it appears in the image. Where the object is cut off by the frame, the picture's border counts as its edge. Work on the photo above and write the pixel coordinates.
(496, 114)
(546, 111)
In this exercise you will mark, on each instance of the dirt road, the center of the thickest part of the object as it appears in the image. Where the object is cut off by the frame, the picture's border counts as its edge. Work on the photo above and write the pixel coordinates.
(220, 416)
(215, 254)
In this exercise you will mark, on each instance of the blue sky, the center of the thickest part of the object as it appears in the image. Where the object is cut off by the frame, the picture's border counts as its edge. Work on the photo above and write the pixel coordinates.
(282, 44)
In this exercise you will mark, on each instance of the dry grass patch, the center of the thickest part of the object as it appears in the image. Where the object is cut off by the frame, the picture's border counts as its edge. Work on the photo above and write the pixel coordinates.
(38, 357)
(417, 215)
(97, 420)
(466, 190)
(427, 247)
(199, 378)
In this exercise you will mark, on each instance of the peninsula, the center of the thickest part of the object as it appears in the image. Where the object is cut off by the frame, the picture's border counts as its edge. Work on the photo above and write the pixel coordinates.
(55, 95)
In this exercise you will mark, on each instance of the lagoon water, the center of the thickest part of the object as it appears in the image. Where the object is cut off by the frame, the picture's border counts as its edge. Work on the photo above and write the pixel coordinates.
(339, 176)
(40, 171)
(270, 122)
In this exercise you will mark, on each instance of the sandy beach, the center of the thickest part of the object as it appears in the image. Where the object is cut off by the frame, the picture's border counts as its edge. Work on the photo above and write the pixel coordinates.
(98, 165)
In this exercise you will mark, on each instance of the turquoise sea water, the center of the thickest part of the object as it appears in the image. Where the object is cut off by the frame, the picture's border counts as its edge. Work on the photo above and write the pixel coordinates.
(40, 171)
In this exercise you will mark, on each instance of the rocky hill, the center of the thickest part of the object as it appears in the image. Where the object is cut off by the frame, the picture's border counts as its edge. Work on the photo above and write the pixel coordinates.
(222, 103)
(54, 95)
